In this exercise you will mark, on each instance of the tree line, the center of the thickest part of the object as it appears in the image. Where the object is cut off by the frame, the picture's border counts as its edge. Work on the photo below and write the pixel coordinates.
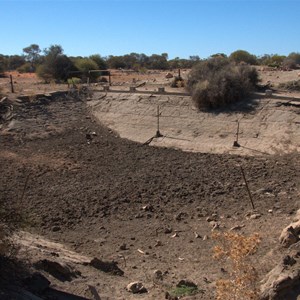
(51, 63)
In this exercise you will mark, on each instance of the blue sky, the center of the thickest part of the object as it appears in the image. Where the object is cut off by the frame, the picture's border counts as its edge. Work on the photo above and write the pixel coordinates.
(179, 27)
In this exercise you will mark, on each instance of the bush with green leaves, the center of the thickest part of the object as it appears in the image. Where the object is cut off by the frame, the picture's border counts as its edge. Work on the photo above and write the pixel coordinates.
(242, 56)
(25, 68)
(55, 68)
(85, 65)
(218, 82)
(101, 63)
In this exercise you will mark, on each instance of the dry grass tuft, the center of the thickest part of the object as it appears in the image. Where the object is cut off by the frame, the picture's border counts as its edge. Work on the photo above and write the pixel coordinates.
(236, 250)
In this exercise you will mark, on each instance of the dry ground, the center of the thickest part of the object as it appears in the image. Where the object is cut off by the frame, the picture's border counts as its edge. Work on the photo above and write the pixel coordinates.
(96, 195)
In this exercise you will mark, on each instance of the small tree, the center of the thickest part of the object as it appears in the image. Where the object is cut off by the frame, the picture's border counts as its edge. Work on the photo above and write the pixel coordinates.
(85, 65)
(101, 63)
(292, 61)
(242, 56)
(32, 54)
(56, 65)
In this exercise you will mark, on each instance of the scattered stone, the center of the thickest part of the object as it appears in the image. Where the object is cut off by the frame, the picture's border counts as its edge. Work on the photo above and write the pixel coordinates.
(110, 267)
(158, 243)
(141, 251)
(181, 216)
(136, 288)
(56, 228)
(138, 216)
(148, 207)
(158, 275)
(236, 227)
(168, 230)
(205, 238)
(169, 297)
(289, 235)
(270, 211)
(255, 216)
(123, 247)
(186, 282)
(169, 75)
(211, 219)
(175, 235)
(197, 235)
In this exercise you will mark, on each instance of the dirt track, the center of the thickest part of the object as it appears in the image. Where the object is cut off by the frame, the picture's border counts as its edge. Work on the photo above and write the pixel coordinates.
(90, 196)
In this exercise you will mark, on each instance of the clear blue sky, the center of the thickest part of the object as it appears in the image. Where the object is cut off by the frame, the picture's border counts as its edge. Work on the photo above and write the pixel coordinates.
(179, 27)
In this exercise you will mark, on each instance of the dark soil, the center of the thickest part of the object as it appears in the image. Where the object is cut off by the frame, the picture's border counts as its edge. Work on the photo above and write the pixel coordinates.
(96, 193)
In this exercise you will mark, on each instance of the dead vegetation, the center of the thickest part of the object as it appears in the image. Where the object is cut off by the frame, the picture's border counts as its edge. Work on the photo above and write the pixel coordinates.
(242, 279)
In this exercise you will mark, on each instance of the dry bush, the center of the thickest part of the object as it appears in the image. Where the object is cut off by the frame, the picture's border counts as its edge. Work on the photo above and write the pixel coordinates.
(236, 250)
(217, 82)
(177, 82)
(290, 85)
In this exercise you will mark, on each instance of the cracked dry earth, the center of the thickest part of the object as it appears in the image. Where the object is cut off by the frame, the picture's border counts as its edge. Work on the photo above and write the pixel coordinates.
(118, 200)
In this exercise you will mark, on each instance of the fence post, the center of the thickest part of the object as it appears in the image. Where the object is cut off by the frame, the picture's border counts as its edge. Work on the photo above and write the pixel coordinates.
(11, 84)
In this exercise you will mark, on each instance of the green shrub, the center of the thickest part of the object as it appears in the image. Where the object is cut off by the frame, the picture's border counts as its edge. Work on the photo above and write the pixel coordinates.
(242, 56)
(182, 291)
(74, 80)
(101, 63)
(217, 82)
(25, 68)
(85, 65)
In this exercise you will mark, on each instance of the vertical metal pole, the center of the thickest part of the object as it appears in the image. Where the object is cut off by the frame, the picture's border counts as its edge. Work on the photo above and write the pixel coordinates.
(237, 131)
(157, 119)
(11, 84)
(158, 134)
(236, 142)
(247, 187)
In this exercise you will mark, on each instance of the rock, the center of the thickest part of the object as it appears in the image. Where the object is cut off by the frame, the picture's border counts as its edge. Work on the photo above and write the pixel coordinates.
(186, 282)
(169, 75)
(148, 207)
(158, 243)
(181, 216)
(255, 216)
(107, 267)
(211, 219)
(136, 288)
(169, 297)
(289, 235)
(56, 228)
(236, 227)
(168, 230)
(61, 271)
(123, 247)
(37, 283)
(197, 235)
(282, 281)
(158, 275)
